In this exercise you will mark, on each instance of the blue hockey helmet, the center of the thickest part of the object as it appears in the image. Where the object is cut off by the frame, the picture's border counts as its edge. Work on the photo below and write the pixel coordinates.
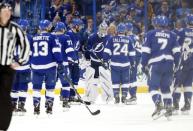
(44, 24)
(23, 24)
(129, 26)
(59, 26)
(76, 22)
(162, 21)
(189, 19)
(121, 28)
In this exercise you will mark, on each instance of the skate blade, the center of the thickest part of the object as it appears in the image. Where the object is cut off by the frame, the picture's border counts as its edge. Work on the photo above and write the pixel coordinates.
(161, 114)
(169, 118)
(131, 103)
(15, 113)
(66, 109)
(36, 116)
(49, 115)
(185, 112)
(175, 113)
(21, 113)
(74, 103)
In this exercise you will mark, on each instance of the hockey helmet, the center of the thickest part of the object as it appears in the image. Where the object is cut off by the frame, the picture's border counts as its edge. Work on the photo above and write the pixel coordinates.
(44, 24)
(59, 27)
(121, 28)
(24, 24)
(189, 19)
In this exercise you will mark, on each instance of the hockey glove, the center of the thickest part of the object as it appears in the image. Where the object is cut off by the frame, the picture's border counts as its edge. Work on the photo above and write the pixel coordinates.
(145, 70)
(106, 65)
(60, 68)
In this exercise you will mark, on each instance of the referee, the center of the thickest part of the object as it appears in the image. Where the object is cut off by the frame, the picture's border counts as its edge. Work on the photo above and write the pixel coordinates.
(10, 35)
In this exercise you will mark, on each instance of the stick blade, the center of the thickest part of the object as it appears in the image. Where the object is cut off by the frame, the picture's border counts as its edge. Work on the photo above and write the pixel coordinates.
(96, 112)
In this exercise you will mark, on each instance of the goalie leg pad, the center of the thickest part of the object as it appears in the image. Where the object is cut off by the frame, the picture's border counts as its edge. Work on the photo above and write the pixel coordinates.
(106, 84)
(91, 85)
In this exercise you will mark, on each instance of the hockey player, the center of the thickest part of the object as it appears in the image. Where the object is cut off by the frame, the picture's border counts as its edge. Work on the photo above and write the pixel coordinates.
(74, 67)
(23, 77)
(184, 76)
(160, 54)
(120, 53)
(68, 57)
(46, 53)
(133, 70)
(95, 48)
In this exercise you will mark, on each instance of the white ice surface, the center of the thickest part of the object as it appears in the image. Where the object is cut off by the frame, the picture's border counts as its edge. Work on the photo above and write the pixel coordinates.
(112, 118)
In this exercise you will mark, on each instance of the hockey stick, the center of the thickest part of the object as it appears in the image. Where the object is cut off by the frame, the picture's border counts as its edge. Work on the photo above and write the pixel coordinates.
(101, 61)
(175, 71)
(79, 97)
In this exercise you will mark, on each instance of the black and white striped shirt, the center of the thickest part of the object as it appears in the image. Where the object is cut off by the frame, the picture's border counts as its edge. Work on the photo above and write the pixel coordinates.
(11, 35)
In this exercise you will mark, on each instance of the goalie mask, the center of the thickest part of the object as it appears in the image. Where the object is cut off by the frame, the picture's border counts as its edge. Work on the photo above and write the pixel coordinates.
(102, 30)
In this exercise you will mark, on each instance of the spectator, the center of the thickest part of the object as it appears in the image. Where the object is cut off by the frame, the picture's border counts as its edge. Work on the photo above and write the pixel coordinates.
(182, 11)
(164, 10)
(99, 18)
(56, 11)
(111, 31)
(68, 20)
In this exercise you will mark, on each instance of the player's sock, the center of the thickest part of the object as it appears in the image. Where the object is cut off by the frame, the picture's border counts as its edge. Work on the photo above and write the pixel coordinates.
(132, 91)
(156, 98)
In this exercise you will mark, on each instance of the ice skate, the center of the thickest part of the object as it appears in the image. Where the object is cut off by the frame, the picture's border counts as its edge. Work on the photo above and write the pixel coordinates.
(77, 101)
(14, 108)
(37, 109)
(49, 108)
(21, 110)
(117, 99)
(131, 101)
(74, 101)
(175, 109)
(158, 112)
(186, 109)
(123, 99)
(168, 113)
(65, 105)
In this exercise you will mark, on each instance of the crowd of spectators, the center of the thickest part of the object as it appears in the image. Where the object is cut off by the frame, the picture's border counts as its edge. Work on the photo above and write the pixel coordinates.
(116, 11)
(112, 11)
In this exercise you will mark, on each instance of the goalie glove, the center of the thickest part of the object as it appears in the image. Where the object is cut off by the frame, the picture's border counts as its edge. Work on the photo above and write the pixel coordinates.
(106, 65)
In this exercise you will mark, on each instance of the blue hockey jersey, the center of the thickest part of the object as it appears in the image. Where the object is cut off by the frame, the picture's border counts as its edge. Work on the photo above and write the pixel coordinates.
(120, 51)
(186, 41)
(46, 52)
(160, 45)
(67, 49)
(95, 47)
(75, 38)
(137, 47)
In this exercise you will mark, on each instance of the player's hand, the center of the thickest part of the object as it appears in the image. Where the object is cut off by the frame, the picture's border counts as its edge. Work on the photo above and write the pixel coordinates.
(15, 65)
(60, 68)
(145, 70)
(106, 65)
